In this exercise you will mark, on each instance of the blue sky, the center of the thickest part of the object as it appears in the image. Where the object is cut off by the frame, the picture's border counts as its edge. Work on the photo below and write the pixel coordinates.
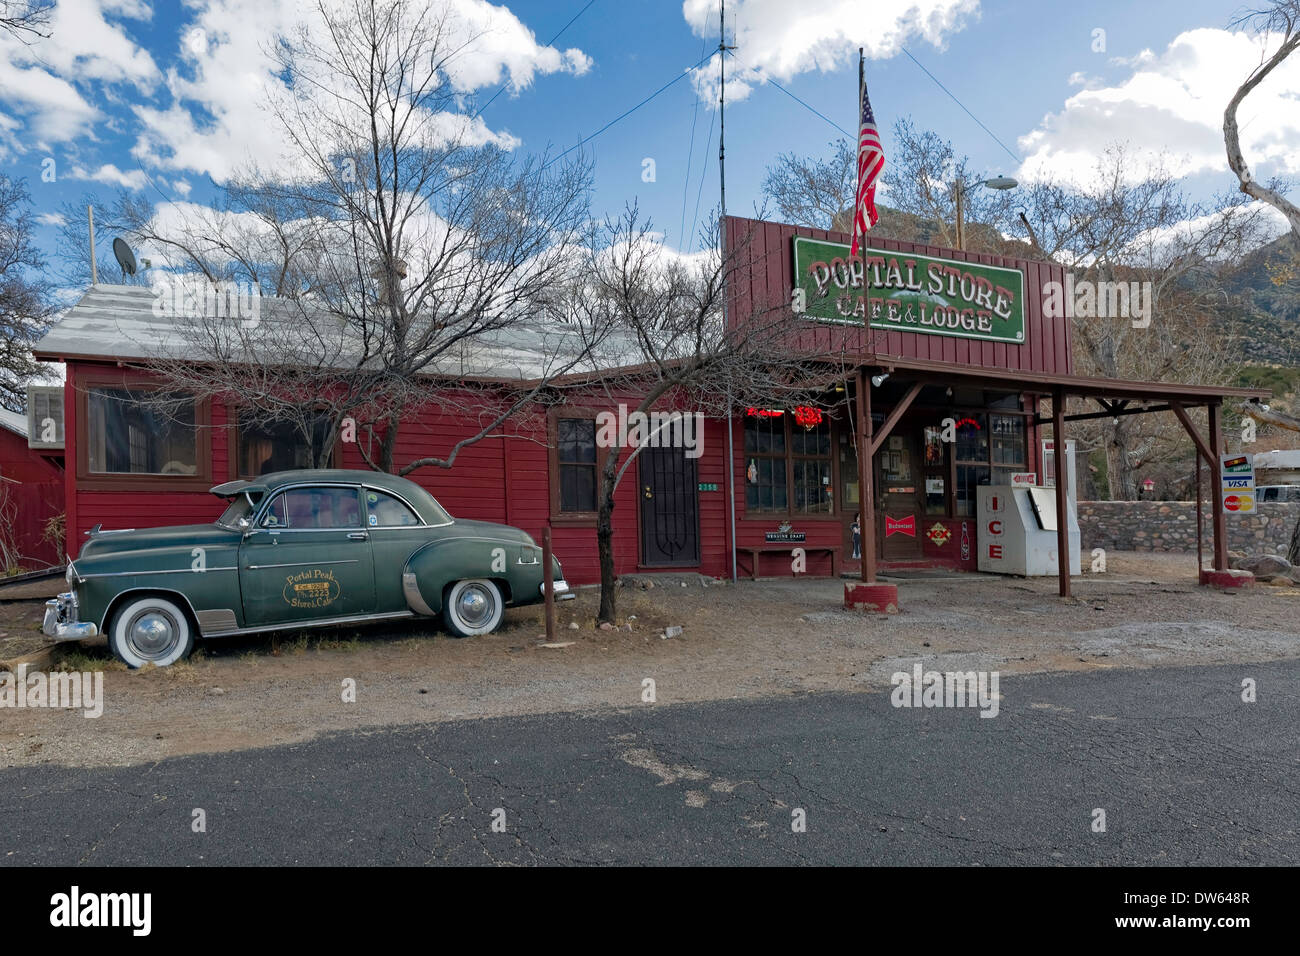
(123, 93)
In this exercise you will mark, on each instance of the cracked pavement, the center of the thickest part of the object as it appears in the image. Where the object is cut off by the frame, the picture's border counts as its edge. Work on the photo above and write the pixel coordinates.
(1186, 773)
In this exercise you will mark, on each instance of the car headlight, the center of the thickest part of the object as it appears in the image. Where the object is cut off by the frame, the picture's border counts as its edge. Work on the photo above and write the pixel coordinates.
(71, 576)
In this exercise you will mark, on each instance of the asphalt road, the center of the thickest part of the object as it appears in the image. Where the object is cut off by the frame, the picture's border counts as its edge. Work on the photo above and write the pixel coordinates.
(1185, 771)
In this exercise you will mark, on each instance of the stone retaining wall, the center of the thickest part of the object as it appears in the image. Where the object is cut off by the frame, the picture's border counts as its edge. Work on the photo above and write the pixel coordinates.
(1171, 526)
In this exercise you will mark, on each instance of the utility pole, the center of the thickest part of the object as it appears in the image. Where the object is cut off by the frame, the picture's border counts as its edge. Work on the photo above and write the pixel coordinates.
(723, 49)
(94, 271)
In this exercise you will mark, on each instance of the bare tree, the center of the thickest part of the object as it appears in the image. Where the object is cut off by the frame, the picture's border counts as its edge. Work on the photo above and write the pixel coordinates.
(399, 237)
(666, 341)
(26, 20)
(1128, 225)
(817, 193)
(1282, 17)
(923, 176)
(24, 295)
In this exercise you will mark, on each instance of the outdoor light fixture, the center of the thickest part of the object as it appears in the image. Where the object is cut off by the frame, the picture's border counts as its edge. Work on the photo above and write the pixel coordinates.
(997, 182)
(1000, 182)
(879, 380)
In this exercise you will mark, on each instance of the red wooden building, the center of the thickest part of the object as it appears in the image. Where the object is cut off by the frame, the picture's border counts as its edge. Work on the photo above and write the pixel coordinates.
(31, 493)
(931, 341)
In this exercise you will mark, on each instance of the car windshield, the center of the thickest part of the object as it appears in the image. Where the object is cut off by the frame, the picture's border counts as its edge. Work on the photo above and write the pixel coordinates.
(240, 507)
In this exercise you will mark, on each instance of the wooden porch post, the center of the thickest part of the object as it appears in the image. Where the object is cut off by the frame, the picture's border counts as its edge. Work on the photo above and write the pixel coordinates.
(1062, 506)
(1216, 488)
(866, 493)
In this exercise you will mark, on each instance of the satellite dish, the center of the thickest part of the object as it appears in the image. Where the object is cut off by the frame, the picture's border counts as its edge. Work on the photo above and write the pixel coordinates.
(125, 257)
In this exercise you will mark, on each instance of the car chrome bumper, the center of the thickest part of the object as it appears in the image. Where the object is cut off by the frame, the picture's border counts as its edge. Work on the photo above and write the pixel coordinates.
(561, 588)
(61, 620)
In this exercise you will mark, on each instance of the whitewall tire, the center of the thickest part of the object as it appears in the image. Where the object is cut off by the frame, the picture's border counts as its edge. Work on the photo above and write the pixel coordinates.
(473, 607)
(150, 630)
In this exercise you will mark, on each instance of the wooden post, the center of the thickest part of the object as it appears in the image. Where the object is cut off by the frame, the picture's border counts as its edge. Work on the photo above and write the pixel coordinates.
(548, 584)
(94, 270)
(1216, 488)
(1062, 505)
(866, 493)
(961, 226)
(1200, 522)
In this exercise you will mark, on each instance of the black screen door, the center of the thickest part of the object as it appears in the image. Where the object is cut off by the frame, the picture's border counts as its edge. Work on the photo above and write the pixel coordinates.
(670, 512)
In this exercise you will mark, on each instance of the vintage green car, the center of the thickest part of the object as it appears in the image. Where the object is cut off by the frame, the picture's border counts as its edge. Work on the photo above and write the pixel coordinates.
(296, 549)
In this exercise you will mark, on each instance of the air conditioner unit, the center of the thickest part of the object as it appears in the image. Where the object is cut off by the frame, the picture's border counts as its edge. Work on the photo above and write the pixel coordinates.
(45, 417)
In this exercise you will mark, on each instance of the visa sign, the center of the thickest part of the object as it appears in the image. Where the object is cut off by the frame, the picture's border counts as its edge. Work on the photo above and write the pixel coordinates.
(1237, 482)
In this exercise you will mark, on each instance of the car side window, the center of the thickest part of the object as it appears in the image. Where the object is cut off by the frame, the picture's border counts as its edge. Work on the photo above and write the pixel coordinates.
(314, 509)
(275, 514)
(386, 511)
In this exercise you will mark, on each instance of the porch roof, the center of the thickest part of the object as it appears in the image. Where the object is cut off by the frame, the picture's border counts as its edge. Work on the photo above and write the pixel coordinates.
(1077, 385)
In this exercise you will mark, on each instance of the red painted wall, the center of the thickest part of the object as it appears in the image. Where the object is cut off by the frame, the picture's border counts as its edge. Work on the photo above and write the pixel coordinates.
(33, 494)
(502, 479)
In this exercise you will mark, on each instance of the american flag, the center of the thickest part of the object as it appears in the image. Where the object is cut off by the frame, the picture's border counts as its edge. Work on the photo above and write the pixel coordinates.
(871, 162)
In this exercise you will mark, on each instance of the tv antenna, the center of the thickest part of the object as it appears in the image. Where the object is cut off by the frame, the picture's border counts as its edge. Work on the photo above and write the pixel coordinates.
(723, 50)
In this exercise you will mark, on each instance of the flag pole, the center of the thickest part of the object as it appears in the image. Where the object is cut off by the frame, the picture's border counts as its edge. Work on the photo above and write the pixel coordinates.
(866, 493)
(862, 90)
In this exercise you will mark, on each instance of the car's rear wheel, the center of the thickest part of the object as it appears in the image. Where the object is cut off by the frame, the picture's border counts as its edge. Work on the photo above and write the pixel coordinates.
(473, 607)
(150, 630)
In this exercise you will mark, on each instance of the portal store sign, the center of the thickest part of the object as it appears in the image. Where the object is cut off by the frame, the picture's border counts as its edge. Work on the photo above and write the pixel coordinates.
(905, 292)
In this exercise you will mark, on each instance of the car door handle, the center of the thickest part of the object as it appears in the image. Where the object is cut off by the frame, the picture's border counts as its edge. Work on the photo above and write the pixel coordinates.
(358, 536)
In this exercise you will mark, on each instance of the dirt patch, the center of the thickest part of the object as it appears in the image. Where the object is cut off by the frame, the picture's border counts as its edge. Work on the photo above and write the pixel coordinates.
(770, 638)
(20, 630)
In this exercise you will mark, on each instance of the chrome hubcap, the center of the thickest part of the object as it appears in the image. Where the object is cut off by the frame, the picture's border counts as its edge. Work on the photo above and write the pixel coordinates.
(152, 634)
(475, 606)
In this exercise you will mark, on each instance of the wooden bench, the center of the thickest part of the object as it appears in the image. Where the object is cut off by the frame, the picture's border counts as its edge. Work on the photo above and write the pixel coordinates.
(754, 552)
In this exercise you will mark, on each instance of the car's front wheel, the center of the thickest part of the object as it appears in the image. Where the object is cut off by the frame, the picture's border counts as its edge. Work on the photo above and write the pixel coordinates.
(473, 607)
(150, 630)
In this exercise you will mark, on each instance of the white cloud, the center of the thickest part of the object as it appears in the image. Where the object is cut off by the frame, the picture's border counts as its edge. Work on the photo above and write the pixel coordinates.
(48, 108)
(1270, 223)
(504, 48)
(1172, 103)
(51, 219)
(217, 121)
(778, 39)
(109, 173)
(48, 82)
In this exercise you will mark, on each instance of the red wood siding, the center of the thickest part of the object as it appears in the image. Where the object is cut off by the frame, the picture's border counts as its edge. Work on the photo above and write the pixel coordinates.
(502, 479)
(766, 275)
(32, 494)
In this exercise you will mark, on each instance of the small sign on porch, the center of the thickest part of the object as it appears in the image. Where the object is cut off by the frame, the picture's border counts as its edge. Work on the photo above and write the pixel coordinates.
(905, 526)
(1025, 478)
(783, 535)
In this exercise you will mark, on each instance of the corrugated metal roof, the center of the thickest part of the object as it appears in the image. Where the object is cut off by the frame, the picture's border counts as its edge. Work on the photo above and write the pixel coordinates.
(13, 421)
(131, 322)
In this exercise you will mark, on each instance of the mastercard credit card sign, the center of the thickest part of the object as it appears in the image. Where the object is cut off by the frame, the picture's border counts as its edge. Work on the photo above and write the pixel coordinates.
(1237, 482)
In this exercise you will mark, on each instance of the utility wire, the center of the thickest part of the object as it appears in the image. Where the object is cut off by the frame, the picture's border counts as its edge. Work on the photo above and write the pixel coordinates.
(690, 155)
(809, 108)
(961, 104)
(816, 112)
(695, 219)
(548, 43)
(675, 80)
